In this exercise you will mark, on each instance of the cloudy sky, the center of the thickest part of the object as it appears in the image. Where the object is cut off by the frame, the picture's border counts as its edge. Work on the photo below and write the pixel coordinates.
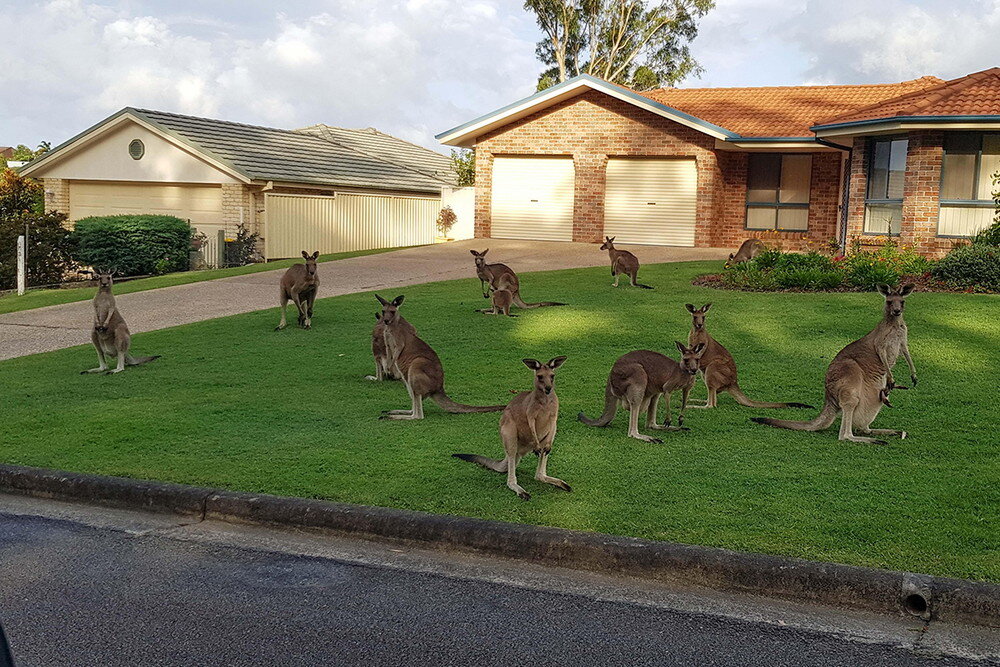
(417, 67)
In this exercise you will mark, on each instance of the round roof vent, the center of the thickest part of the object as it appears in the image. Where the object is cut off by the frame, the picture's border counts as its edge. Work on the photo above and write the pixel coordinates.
(136, 149)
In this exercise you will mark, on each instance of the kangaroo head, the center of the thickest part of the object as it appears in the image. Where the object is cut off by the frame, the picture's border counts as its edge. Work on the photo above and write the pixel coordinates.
(690, 357)
(310, 262)
(545, 374)
(390, 309)
(895, 299)
(480, 257)
(608, 243)
(105, 279)
(698, 315)
(729, 262)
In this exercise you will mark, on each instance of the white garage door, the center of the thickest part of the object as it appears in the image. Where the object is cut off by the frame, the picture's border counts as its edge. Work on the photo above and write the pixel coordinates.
(651, 201)
(201, 204)
(533, 198)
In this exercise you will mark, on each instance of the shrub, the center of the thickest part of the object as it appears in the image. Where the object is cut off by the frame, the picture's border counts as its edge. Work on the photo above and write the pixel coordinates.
(50, 248)
(971, 266)
(809, 278)
(446, 220)
(19, 195)
(866, 269)
(134, 245)
(242, 248)
(988, 236)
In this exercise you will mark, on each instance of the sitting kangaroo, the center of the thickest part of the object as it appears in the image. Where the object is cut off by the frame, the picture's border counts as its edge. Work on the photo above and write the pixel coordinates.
(639, 378)
(300, 283)
(418, 366)
(622, 263)
(501, 300)
(859, 378)
(528, 424)
(502, 277)
(748, 250)
(111, 335)
(718, 368)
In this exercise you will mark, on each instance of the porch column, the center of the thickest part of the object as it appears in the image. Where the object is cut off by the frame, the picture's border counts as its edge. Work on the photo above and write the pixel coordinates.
(921, 191)
(588, 203)
(484, 194)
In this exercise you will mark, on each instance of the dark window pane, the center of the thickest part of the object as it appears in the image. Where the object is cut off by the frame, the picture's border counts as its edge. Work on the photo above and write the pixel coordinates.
(878, 174)
(796, 171)
(958, 175)
(989, 166)
(897, 169)
(763, 177)
(962, 142)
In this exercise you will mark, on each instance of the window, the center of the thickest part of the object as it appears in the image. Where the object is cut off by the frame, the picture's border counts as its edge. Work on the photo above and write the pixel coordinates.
(970, 162)
(886, 173)
(136, 149)
(778, 191)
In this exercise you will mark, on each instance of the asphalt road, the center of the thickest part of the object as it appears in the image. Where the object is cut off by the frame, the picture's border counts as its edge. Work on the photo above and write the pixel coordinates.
(166, 594)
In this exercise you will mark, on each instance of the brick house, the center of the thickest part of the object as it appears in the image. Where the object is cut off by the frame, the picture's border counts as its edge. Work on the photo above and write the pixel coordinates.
(713, 166)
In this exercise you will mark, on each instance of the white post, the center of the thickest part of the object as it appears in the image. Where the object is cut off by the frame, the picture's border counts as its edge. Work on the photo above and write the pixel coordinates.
(22, 264)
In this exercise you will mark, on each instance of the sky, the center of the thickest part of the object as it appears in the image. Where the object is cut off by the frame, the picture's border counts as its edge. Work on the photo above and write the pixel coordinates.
(414, 68)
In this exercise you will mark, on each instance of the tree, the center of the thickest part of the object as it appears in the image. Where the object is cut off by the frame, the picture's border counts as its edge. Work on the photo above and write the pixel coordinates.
(463, 163)
(19, 195)
(630, 42)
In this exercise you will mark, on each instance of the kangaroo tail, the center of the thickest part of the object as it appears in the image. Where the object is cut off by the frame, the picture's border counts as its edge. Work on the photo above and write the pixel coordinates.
(448, 405)
(743, 400)
(138, 361)
(610, 407)
(825, 418)
(641, 285)
(520, 302)
(488, 463)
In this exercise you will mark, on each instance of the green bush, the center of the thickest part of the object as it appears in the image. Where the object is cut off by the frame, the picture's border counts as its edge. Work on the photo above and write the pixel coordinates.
(50, 248)
(971, 266)
(134, 245)
(809, 278)
(988, 236)
(867, 269)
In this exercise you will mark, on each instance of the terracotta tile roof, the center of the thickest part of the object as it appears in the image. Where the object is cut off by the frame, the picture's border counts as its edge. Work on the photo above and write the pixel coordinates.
(977, 94)
(780, 111)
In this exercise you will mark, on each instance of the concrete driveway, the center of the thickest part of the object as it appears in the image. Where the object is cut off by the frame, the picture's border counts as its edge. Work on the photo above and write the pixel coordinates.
(55, 327)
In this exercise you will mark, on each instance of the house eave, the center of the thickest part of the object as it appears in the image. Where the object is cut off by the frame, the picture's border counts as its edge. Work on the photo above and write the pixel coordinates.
(793, 144)
(904, 123)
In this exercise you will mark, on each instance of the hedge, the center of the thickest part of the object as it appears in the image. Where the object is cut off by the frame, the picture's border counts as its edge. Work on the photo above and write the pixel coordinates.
(975, 266)
(50, 248)
(134, 245)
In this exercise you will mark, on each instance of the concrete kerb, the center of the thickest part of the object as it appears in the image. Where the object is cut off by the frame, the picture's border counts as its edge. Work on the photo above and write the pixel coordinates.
(884, 591)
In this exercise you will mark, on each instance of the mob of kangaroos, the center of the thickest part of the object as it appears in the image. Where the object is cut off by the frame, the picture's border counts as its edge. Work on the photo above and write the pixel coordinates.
(502, 277)
(622, 263)
(110, 335)
(300, 284)
(859, 378)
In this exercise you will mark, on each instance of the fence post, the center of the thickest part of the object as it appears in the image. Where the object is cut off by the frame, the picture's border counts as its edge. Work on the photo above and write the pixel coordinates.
(22, 264)
(221, 259)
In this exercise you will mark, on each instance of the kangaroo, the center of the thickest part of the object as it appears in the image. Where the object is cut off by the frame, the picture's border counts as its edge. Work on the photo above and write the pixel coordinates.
(528, 424)
(501, 300)
(718, 368)
(748, 250)
(111, 335)
(622, 263)
(639, 378)
(383, 363)
(418, 366)
(859, 378)
(300, 283)
(502, 277)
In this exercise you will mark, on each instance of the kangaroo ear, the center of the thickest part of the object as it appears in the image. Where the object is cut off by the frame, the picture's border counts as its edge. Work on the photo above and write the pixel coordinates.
(305, 255)
(690, 307)
(612, 238)
(698, 349)
(731, 255)
(398, 301)
(533, 364)
(474, 253)
(705, 308)
(316, 255)
(378, 316)
(884, 289)
(906, 289)
(680, 346)
(381, 300)
(556, 362)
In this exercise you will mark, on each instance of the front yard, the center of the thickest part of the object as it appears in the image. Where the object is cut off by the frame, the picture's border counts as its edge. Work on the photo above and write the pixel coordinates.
(234, 404)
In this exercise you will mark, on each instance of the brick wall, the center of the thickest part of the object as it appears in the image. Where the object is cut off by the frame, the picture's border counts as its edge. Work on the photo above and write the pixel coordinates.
(595, 126)
(56, 194)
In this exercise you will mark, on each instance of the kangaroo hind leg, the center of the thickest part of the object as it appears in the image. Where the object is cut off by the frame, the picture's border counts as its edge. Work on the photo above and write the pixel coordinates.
(848, 408)
(541, 473)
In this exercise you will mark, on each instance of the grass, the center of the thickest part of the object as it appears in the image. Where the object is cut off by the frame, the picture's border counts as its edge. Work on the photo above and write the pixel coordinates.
(234, 404)
(12, 303)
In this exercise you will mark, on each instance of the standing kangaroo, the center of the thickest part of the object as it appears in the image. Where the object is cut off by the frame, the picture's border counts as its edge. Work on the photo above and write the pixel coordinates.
(383, 362)
(501, 300)
(622, 263)
(502, 277)
(300, 283)
(528, 424)
(418, 366)
(639, 378)
(111, 335)
(748, 250)
(718, 368)
(859, 378)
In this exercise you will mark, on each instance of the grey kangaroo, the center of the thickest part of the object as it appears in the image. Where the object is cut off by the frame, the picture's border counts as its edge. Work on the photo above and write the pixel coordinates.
(110, 335)
(383, 363)
(501, 300)
(718, 368)
(622, 263)
(300, 283)
(639, 378)
(418, 366)
(748, 250)
(528, 424)
(502, 277)
(859, 378)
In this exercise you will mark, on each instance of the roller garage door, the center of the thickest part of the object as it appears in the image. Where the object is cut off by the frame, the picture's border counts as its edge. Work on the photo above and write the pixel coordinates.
(533, 198)
(201, 204)
(651, 201)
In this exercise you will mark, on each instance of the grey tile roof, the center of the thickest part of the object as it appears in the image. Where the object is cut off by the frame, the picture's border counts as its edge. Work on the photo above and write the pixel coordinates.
(270, 154)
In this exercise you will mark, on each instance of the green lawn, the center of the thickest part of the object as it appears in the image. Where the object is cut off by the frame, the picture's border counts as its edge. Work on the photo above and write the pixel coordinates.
(11, 303)
(234, 404)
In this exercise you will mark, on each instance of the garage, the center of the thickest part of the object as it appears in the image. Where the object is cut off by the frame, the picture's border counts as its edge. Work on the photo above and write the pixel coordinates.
(651, 201)
(533, 198)
(201, 204)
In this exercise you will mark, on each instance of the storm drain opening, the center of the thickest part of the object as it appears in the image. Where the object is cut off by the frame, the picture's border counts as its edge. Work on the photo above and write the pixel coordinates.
(915, 604)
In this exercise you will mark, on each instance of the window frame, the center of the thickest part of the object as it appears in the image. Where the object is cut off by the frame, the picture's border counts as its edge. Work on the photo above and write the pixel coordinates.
(777, 205)
(962, 203)
(882, 201)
